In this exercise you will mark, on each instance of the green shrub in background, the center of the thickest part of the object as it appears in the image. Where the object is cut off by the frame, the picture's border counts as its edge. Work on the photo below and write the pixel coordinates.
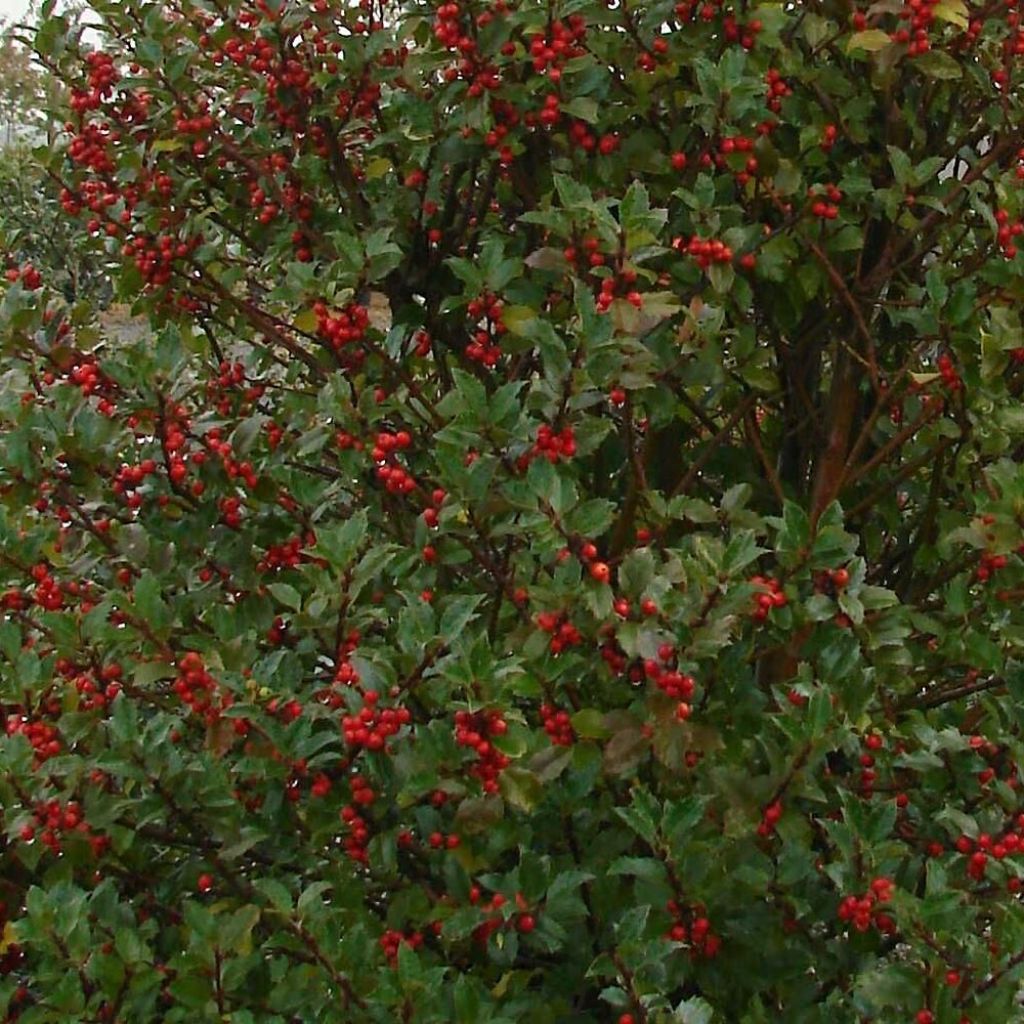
(34, 231)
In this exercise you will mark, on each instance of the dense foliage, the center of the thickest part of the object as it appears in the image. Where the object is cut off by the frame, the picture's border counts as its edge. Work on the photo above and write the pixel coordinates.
(556, 553)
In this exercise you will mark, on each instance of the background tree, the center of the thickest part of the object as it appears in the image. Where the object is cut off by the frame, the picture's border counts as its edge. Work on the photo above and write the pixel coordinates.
(556, 554)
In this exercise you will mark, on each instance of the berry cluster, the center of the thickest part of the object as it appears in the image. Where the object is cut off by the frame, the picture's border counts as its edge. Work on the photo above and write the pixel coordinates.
(988, 564)
(948, 373)
(979, 851)
(826, 208)
(764, 602)
(558, 725)
(705, 251)
(358, 837)
(777, 89)
(701, 939)
(863, 911)
(128, 479)
(194, 684)
(45, 738)
(29, 277)
(562, 43)
(770, 818)
(563, 633)
(97, 693)
(48, 593)
(486, 312)
(345, 328)
(371, 726)
(1009, 230)
(625, 281)
(53, 821)
(919, 15)
(392, 939)
(477, 731)
(287, 555)
(552, 445)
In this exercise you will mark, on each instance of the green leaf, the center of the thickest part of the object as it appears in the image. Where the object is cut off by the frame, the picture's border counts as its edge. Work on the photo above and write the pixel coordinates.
(938, 64)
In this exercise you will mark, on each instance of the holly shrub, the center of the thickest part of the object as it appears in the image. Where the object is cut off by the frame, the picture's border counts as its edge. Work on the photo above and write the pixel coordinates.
(554, 553)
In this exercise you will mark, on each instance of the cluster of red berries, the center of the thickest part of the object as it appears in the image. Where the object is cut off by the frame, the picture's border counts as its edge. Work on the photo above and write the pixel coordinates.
(863, 911)
(173, 440)
(919, 14)
(590, 246)
(432, 513)
(989, 564)
(128, 479)
(48, 593)
(85, 374)
(386, 448)
(647, 59)
(552, 445)
(705, 251)
(563, 633)
(563, 42)
(287, 555)
(979, 851)
(873, 742)
(1009, 230)
(97, 693)
(477, 732)
(829, 134)
(558, 725)
(45, 738)
(707, 10)
(29, 277)
(770, 818)
(102, 77)
(440, 841)
(258, 201)
(826, 208)
(392, 939)
(777, 89)
(673, 683)
(155, 258)
(277, 632)
(55, 821)
(486, 312)
(702, 940)
(231, 508)
(227, 383)
(288, 711)
(358, 837)
(729, 156)
(194, 684)
(371, 726)
(764, 602)
(947, 371)
(89, 147)
(524, 922)
(345, 328)
(625, 281)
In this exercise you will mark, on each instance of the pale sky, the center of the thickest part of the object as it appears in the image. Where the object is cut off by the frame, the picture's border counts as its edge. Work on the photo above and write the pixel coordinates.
(13, 9)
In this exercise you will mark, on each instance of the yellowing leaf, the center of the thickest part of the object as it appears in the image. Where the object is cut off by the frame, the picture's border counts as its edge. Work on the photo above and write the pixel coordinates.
(871, 39)
(377, 168)
(306, 321)
(518, 318)
(954, 11)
